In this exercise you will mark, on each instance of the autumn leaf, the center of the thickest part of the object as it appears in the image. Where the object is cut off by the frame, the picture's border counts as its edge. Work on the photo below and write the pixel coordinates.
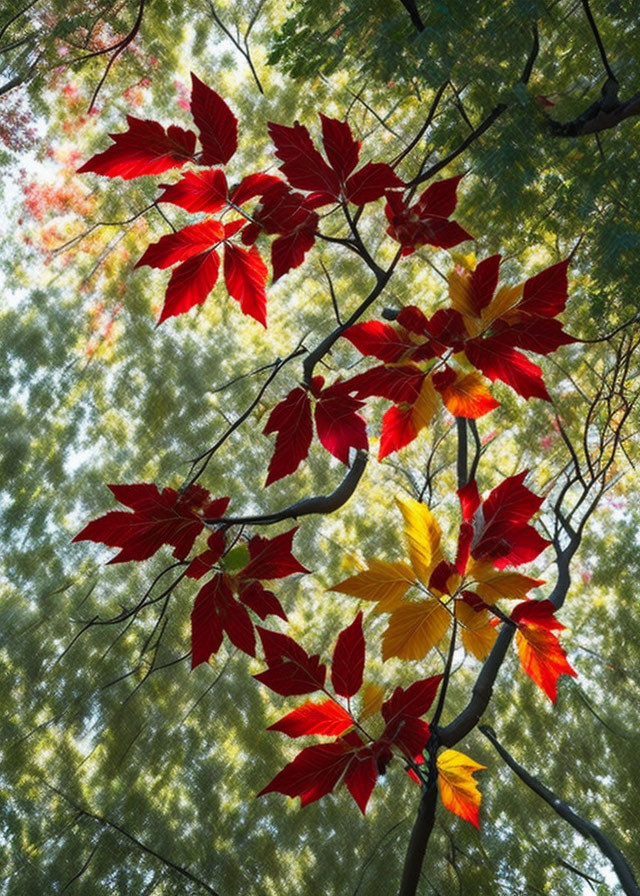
(290, 669)
(542, 658)
(328, 718)
(458, 789)
(347, 665)
(216, 123)
(383, 582)
(145, 148)
(158, 518)
(427, 220)
(215, 612)
(414, 629)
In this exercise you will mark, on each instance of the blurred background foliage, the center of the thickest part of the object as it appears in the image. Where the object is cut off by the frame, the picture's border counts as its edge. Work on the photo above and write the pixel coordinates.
(121, 770)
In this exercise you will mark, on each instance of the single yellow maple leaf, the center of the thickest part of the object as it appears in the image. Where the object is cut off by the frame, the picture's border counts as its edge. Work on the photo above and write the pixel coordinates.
(477, 635)
(492, 584)
(414, 629)
(458, 789)
(423, 535)
(383, 581)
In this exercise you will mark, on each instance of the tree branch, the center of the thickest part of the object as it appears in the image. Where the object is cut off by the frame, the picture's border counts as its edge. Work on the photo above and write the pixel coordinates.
(586, 828)
(317, 504)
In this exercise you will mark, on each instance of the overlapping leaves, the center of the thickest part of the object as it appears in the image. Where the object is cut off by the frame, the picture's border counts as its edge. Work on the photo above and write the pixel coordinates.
(494, 534)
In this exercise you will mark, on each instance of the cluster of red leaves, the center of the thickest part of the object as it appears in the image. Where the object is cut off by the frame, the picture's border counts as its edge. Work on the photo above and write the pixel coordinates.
(147, 148)
(338, 424)
(353, 757)
(169, 517)
(498, 530)
(450, 353)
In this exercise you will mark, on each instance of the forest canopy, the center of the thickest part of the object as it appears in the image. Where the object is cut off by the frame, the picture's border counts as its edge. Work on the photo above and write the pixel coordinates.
(339, 300)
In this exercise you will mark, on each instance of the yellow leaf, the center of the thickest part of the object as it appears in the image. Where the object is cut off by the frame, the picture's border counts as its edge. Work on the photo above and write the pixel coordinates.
(384, 582)
(493, 585)
(423, 534)
(501, 303)
(460, 294)
(458, 790)
(477, 635)
(372, 697)
(414, 629)
(425, 406)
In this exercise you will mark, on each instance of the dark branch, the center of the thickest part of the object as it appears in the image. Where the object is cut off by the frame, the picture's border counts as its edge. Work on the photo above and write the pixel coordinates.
(317, 504)
(414, 15)
(495, 113)
(586, 828)
(596, 34)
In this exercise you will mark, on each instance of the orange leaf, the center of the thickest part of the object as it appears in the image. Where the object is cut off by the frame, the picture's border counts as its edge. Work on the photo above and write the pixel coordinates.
(542, 658)
(468, 396)
(458, 789)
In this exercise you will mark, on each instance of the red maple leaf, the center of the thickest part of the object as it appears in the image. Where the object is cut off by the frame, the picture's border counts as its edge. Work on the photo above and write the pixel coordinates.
(402, 713)
(290, 669)
(347, 665)
(427, 220)
(339, 426)
(328, 718)
(305, 168)
(216, 123)
(158, 518)
(503, 532)
(541, 654)
(146, 148)
(215, 612)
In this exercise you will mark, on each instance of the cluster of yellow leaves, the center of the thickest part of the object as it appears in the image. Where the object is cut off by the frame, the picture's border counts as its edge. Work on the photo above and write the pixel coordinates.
(418, 624)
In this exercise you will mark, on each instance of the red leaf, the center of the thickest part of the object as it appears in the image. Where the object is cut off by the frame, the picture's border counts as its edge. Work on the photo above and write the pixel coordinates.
(245, 274)
(288, 251)
(371, 182)
(262, 602)
(328, 718)
(440, 198)
(542, 658)
(190, 284)
(303, 166)
(198, 191)
(348, 660)
(291, 419)
(398, 430)
(216, 123)
(402, 713)
(400, 384)
(203, 563)
(361, 777)
(313, 773)
(146, 148)
(469, 500)
(290, 669)
(546, 293)
(158, 518)
(342, 150)
(253, 185)
(339, 426)
(497, 360)
(483, 282)
(537, 612)
(536, 334)
(174, 247)
(271, 558)
(506, 537)
(425, 221)
(214, 612)
(379, 340)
